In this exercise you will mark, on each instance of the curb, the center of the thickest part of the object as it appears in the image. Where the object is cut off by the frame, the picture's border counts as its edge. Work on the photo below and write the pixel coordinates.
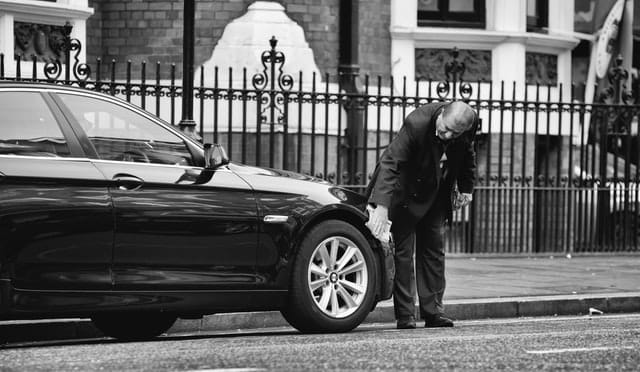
(502, 307)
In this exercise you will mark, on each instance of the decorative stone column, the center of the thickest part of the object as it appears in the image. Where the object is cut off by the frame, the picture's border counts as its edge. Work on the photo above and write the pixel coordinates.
(6, 37)
(508, 57)
(404, 20)
(561, 15)
(245, 38)
(245, 43)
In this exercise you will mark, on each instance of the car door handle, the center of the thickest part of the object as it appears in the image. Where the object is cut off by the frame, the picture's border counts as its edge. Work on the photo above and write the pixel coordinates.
(127, 182)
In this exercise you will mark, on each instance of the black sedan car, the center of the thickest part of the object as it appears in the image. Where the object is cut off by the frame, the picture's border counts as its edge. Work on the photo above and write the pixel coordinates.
(107, 212)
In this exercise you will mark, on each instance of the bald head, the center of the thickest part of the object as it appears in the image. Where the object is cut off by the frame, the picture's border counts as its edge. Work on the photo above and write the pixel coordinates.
(459, 115)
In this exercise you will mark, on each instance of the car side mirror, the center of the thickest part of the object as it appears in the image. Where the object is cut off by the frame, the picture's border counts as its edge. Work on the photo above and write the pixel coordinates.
(214, 156)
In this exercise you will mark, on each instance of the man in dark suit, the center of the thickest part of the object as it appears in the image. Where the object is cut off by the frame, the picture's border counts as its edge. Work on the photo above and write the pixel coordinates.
(412, 186)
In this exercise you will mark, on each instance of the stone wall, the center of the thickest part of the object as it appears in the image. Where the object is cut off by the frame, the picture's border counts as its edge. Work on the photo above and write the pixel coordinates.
(151, 30)
(375, 39)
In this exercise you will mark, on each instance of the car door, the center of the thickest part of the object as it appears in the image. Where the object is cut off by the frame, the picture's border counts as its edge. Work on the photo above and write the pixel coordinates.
(56, 217)
(178, 226)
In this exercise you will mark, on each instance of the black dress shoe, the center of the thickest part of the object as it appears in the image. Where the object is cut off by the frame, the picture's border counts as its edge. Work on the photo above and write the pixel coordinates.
(408, 323)
(436, 321)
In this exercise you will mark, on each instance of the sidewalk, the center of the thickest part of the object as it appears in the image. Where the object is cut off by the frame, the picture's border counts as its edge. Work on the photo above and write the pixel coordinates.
(477, 288)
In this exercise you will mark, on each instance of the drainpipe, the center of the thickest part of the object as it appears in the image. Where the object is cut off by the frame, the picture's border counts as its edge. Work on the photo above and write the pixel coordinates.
(348, 70)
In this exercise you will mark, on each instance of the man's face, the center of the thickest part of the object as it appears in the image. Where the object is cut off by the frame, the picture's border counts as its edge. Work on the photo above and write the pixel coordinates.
(444, 129)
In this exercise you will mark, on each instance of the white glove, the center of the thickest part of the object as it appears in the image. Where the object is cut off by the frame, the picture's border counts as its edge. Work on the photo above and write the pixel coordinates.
(379, 223)
(462, 199)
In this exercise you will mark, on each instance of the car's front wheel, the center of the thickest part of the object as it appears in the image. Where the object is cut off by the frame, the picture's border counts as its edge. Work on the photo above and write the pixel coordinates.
(133, 326)
(333, 280)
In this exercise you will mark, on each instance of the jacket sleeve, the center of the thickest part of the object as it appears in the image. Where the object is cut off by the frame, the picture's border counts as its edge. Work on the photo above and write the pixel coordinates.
(467, 175)
(399, 152)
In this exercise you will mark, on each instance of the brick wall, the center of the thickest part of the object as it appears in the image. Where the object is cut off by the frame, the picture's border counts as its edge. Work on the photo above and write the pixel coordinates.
(146, 30)
(138, 30)
(375, 39)
(94, 32)
(320, 22)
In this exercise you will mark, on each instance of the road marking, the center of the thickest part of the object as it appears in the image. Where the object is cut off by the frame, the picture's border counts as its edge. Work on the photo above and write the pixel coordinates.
(545, 319)
(227, 370)
(578, 349)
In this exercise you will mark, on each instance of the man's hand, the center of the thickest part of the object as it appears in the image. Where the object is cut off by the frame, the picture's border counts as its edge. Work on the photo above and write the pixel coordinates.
(378, 218)
(462, 199)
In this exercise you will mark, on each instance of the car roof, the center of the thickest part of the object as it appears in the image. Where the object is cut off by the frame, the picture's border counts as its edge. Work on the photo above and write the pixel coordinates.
(50, 86)
(43, 86)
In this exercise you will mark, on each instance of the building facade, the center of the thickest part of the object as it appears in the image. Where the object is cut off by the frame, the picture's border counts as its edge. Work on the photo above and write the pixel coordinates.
(522, 41)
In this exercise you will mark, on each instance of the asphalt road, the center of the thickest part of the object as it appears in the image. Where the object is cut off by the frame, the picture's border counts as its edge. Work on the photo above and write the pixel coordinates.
(606, 342)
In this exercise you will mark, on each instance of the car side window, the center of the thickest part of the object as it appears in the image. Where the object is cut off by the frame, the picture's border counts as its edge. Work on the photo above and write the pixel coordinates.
(28, 128)
(120, 134)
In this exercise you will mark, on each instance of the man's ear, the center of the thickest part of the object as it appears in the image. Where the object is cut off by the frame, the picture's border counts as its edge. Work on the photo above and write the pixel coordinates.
(476, 122)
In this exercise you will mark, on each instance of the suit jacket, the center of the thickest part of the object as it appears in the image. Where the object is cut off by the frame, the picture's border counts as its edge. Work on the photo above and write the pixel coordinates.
(408, 178)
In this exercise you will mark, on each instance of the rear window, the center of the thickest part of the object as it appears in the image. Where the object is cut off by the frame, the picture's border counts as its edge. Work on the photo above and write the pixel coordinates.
(28, 128)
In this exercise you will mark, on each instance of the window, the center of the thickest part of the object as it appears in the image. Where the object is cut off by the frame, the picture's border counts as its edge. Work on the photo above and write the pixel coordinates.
(580, 59)
(118, 133)
(537, 15)
(27, 126)
(451, 13)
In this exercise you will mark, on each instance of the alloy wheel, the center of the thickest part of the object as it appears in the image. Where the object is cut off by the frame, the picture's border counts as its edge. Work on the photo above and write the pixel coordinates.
(337, 277)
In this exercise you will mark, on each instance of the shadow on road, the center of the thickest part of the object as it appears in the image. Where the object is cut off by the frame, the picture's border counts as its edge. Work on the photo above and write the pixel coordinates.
(273, 332)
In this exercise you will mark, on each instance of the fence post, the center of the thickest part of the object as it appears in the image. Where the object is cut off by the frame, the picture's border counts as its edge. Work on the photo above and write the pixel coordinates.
(272, 86)
(187, 124)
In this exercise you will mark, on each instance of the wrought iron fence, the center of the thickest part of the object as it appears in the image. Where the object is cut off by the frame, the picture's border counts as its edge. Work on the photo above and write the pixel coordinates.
(554, 175)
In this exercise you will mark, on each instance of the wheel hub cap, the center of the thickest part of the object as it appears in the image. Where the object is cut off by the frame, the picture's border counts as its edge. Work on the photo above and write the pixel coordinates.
(333, 277)
(337, 277)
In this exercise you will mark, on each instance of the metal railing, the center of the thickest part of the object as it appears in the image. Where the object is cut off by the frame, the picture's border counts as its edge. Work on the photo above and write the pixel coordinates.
(554, 175)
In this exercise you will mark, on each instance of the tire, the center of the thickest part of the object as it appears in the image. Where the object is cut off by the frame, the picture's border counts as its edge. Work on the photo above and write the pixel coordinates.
(325, 299)
(133, 326)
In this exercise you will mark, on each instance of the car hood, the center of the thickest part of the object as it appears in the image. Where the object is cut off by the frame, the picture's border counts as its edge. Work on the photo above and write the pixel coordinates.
(243, 169)
(268, 180)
